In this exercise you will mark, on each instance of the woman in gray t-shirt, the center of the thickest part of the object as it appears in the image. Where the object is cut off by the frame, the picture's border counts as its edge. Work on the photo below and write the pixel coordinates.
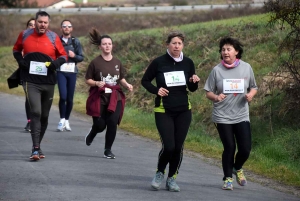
(231, 86)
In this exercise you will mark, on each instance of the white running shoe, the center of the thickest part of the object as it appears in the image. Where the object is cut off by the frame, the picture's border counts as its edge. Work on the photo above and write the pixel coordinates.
(67, 126)
(61, 125)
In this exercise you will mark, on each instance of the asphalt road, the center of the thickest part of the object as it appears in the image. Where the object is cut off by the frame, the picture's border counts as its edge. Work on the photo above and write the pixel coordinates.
(73, 171)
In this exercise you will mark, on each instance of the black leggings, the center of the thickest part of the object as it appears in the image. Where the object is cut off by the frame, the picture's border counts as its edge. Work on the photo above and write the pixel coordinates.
(109, 120)
(173, 129)
(232, 134)
(40, 97)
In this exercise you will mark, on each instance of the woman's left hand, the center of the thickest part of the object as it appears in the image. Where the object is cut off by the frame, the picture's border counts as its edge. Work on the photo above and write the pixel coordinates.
(129, 87)
(194, 79)
(249, 97)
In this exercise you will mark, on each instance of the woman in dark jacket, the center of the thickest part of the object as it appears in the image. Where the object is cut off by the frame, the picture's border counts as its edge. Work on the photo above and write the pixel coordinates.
(174, 74)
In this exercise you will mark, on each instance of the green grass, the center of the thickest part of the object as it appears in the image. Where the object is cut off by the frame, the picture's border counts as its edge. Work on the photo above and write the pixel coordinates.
(275, 145)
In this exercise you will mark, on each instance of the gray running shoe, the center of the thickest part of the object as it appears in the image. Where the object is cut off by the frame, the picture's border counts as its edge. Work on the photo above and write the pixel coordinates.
(171, 185)
(156, 182)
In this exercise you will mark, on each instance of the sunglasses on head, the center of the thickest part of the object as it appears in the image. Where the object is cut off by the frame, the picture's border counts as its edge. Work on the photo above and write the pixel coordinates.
(65, 26)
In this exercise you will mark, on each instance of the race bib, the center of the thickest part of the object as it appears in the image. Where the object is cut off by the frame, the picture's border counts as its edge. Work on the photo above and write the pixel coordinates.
(108, 90)
(175, 78)
(38, 68)
(68, 67)
(233, 86)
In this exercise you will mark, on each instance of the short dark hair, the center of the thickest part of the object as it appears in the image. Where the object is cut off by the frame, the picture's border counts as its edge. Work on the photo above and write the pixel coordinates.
(42, 13)
(65, 20)
(29, 21)
(237, 45)
(174, 34)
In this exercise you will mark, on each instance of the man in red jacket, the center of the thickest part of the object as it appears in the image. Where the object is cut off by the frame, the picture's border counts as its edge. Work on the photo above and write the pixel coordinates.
(43, 53)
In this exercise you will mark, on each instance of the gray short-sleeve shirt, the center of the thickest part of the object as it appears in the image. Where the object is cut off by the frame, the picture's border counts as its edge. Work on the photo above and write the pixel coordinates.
(234, 108)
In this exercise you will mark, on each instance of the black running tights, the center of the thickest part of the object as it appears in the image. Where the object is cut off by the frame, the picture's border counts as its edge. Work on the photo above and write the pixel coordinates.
(231, 135)
(173, 129)
(109, 120)
(40, 97)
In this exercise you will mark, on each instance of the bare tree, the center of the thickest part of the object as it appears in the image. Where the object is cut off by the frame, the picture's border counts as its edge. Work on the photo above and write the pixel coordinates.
(287, 14)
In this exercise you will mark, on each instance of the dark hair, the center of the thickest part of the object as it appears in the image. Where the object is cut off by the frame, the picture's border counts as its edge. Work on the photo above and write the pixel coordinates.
(29, 21)
(234, 42)
(42, 13)
(174, 34)
(65, 20)
(96, 37)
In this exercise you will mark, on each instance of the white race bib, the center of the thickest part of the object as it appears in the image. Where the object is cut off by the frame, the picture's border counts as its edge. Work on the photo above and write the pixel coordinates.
(175, 78)
(38, 68)
(233, 86)
(108, 90)
(68, 67)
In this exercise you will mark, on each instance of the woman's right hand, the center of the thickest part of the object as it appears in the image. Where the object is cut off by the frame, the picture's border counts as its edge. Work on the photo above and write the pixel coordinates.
(220, 97)
(100, 84)
(162, 92)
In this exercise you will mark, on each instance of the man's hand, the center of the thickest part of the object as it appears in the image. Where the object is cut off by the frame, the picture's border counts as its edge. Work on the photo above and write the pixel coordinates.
(23, 64)
(53, 65)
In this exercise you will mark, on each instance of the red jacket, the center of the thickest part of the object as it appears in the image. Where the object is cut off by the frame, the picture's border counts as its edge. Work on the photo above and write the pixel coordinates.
(49, 43)
(94, 99)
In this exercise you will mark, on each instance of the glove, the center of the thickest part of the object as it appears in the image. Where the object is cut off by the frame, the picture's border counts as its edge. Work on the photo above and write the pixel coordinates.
(23, 64)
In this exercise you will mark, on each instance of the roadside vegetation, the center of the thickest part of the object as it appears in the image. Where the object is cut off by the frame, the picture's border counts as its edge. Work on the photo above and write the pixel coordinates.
(11, 25)
(275, 144)
(122, 3)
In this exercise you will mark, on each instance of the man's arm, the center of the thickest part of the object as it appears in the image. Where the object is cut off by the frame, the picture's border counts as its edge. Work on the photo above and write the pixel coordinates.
(61, 55)
(17, 52)
(78, 51)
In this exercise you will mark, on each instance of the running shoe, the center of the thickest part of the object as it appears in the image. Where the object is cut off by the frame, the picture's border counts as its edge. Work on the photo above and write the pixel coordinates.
(171, 184)
(35, 156)
(109, 154)
(61, 125)
(228, 184)
(41, 154)
(90, 137)
(240, 177)
(27, 127)
(67, 126)
(156, 182)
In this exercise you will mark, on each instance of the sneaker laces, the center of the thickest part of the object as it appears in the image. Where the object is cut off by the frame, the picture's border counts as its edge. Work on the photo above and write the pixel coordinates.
(159, 177)
(172, 182)
(228, 181)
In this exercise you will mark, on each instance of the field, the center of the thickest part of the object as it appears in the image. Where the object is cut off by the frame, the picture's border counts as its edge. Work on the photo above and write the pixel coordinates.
(11, 25)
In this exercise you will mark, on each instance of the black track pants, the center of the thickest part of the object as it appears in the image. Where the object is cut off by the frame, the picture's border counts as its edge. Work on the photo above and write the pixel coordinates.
(231, 135)
(40, 99)
(173, 129)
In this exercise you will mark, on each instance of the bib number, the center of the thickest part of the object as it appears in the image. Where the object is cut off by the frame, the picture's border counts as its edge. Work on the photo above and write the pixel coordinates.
(175, 78)
(38, 68)
(68, 67)
(108, 90)
(233, 86)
